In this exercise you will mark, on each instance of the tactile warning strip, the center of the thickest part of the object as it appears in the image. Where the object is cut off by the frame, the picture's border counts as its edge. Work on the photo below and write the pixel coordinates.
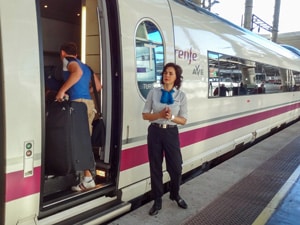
(245, 200)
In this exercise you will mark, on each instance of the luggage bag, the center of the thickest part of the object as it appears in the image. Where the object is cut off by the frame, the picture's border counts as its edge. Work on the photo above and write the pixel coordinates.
(68, 140)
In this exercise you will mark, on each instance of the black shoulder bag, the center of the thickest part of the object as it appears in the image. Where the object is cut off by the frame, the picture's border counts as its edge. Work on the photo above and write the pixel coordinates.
(98, 132)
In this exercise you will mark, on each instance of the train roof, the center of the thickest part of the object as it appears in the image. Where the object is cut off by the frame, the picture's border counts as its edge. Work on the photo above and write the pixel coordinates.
(227, 38)
(292, 49)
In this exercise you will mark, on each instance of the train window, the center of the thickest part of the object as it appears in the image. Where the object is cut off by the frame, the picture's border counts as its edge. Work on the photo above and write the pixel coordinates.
(149, 56)
(273, 80)
(231, 76)
(224, 74)
(296, 75)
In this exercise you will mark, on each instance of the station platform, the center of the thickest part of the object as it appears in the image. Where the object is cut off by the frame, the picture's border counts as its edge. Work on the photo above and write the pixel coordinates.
(259, 186)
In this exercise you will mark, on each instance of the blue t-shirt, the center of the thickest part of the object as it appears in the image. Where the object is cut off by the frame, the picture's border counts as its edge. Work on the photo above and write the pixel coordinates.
(80, 89)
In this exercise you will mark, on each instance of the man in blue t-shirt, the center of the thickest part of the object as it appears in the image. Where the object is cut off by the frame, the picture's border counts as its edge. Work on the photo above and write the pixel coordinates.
(77, 77)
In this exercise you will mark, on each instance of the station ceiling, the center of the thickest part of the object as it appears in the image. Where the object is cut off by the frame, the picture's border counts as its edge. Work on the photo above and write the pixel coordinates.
(64, 10)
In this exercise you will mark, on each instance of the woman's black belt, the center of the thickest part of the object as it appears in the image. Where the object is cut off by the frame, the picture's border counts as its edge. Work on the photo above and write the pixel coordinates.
(163, 126)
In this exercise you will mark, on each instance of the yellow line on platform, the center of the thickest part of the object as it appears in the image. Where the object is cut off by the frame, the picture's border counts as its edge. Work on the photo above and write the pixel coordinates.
(272, 206)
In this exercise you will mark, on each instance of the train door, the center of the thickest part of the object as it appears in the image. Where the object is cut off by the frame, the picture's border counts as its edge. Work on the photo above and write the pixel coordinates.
(86, 23)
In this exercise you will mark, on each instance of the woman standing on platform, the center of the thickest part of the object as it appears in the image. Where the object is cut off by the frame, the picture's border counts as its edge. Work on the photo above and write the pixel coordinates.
(166, 107)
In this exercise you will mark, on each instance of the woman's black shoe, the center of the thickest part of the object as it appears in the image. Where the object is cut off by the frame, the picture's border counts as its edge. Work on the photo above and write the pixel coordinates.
(180, 202)
(155, 208)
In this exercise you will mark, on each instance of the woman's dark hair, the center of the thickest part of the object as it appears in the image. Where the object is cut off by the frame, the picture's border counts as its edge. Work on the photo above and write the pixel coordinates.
(178, 71)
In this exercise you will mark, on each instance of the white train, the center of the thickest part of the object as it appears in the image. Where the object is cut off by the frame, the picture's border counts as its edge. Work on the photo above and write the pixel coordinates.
(127, 42)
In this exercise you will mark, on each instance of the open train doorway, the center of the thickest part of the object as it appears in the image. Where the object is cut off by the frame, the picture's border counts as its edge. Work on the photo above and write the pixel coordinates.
(79, 21)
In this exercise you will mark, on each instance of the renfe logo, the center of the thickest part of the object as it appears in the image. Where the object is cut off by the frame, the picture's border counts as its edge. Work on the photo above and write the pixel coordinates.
(188, 55)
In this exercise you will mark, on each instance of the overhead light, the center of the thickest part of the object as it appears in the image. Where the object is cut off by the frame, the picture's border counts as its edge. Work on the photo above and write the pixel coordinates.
(83, 33)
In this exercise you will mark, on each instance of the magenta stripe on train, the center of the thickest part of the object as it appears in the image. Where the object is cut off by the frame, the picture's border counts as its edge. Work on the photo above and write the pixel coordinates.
(138, 155)
(18, 186)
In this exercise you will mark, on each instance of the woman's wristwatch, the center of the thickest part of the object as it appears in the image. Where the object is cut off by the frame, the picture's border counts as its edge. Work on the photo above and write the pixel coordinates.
(172, 117)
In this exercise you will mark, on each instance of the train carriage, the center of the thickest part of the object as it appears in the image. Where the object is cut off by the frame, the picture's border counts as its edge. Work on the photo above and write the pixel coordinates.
(127, 43)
